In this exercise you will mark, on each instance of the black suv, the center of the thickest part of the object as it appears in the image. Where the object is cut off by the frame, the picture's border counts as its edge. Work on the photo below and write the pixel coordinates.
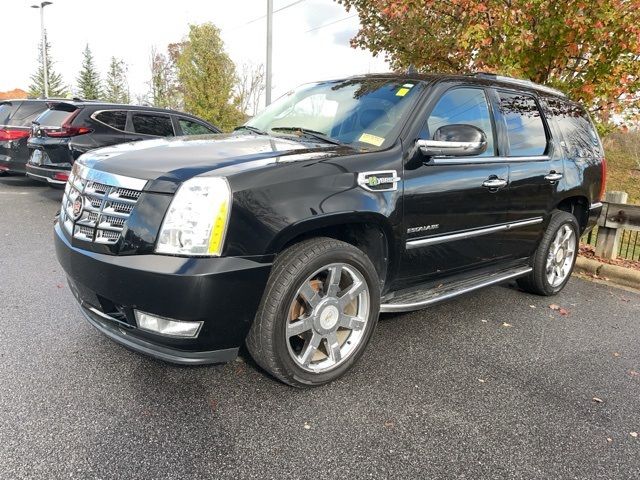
(15, 126)
(343, 199)
(69, 129)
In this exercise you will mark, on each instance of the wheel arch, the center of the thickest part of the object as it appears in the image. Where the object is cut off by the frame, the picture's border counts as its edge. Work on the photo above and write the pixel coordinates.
(370, 232)
(576, 204)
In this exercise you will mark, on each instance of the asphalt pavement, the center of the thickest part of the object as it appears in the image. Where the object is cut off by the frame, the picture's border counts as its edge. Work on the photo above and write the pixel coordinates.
(492, 385)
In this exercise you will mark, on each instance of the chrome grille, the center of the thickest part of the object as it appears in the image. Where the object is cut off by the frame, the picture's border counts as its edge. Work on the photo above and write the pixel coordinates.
(105, 208)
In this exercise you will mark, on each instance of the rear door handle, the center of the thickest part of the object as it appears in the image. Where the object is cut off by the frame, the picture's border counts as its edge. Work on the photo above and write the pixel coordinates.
(494, 183)
(553, 177)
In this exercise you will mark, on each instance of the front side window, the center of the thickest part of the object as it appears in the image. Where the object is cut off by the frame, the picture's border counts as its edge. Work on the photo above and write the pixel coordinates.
(466, 106)
(192, 128)
(525, 129)
(368, 113)
(114, 118)
(148, 124)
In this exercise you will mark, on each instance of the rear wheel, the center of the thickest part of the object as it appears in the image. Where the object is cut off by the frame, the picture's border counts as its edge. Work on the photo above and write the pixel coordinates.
(318, 312)
(555, 257)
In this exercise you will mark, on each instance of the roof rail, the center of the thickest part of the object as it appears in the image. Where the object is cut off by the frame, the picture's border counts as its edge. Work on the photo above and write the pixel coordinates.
(519, 81)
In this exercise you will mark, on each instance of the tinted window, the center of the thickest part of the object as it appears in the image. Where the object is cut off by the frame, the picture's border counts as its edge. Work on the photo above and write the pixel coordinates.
(6, 111)
(525, 129)
(147, 124)
(463, 105)
(53, 117)
(115, 118)
(27, 113)
(580, 136)
(192, 128)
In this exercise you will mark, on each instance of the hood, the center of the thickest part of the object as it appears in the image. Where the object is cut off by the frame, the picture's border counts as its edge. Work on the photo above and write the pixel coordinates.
(169, 162)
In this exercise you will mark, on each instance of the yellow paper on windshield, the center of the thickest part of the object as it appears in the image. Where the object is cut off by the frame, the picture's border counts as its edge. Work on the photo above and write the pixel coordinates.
(371, 139)
(402, 92)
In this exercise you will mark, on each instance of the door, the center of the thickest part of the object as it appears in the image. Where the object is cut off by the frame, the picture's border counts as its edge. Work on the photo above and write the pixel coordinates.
(455, 209)
(536, 168)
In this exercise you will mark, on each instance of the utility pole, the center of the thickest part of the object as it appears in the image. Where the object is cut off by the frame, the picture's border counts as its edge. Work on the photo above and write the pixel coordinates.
(43, 39)
(269, 51)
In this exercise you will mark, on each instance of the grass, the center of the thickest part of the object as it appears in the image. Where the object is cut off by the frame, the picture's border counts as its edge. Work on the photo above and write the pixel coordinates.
(622, 150)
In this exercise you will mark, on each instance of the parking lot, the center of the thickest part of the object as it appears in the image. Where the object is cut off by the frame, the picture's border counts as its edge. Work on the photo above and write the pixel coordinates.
(493, 385)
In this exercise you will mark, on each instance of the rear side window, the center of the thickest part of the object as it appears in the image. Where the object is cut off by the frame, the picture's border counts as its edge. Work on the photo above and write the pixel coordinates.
(463, 105)
(192, 128)
(54, 117)
(6, 112)
(148, 124)
(580, 136)
(525, 129)
(114, 118)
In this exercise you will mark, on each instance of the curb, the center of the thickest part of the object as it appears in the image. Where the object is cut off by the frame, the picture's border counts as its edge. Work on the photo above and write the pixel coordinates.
(615, 274)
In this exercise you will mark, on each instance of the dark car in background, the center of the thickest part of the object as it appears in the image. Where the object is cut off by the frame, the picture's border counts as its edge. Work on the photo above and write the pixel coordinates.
(15, 126)
(70, 128)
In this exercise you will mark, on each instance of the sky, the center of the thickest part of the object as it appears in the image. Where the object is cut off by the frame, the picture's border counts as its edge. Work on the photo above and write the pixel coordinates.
(310, 39)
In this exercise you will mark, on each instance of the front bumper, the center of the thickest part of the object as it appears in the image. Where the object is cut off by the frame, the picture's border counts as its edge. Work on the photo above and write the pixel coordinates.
(47, 174)
(224, 293)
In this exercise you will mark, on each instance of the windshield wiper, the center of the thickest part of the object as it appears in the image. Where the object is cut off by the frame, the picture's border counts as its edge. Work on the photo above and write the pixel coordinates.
(255, 130)
(310, 133)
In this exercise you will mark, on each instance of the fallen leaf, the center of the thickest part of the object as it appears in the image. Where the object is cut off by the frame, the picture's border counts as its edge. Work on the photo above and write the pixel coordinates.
(481, 380)
(609, 439)
(633, 373)
(625, 299)
(505, 324)
(306, 426)
(597, 400)
(616, 354)
(389, 424)
(484, 321)
(59, 285)
(553, 306)
(532, 306)
(213, 405)
(634, 434)
(563, 311)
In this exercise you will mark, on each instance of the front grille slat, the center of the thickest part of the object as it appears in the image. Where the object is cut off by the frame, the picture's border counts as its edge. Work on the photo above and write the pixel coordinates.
(105, 211)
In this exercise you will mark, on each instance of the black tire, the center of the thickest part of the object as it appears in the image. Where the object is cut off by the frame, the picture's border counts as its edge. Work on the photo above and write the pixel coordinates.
(267, 342)
(537, 281)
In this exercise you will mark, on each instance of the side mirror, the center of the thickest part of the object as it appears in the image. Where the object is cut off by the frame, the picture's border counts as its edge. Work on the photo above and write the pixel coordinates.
(458, 140)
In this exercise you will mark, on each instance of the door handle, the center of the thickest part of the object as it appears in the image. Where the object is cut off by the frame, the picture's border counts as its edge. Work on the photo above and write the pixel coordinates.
(494, 183)
(553, 177)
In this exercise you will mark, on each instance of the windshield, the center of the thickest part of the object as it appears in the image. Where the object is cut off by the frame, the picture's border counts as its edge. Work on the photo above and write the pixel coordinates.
(367, 112)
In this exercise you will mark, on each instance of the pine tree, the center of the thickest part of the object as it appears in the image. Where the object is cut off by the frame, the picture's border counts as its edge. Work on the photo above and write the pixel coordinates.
(116, 86)
(89, 85)
(57, 88)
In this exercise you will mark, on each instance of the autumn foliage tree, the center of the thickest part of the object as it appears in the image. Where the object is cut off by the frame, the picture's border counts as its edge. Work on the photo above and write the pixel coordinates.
(588, 48)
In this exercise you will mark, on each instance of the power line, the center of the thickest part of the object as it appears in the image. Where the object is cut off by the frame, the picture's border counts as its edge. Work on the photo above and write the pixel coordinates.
(331, 23)
(264, 16)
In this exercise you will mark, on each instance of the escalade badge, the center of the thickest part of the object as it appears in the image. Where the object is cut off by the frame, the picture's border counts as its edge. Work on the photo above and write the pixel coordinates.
(382, 181)
(78, 205)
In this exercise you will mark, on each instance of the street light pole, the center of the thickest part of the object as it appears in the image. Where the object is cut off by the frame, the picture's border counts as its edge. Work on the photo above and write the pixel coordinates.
(269, 51)
(43, 40)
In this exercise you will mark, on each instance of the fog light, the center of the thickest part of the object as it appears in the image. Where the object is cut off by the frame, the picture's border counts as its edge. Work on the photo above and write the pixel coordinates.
(164, 326)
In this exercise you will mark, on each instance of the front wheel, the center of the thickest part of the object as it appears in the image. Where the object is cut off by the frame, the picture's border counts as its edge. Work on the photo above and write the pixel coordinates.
(555, 257)
(317, 314)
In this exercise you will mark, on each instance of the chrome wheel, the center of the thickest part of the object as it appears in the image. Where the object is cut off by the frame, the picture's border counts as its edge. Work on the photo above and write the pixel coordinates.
(327, 317)
(561, 255)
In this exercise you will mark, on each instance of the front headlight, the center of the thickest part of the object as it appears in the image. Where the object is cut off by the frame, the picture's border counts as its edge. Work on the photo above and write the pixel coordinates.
(196, 222)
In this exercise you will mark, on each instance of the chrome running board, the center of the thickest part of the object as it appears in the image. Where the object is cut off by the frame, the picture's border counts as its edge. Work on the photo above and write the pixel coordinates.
(417, 298)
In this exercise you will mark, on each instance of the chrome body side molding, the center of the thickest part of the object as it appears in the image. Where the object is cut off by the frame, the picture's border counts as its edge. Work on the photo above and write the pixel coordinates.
(423, 242)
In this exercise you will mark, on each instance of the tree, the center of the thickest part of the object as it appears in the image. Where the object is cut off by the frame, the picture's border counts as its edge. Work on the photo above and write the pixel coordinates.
(208, 76)
(164, 88)
(89, 85)
(250, 88)
(589, 49)
(116, 87)
(57, 88)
